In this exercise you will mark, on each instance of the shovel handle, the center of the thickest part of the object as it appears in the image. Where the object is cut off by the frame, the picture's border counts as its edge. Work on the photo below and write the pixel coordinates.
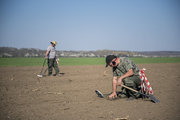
(129, 88)
(153, 99)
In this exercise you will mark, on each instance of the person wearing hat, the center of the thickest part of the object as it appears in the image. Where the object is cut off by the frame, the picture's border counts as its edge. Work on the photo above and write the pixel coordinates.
(51, 56)
(126, 72)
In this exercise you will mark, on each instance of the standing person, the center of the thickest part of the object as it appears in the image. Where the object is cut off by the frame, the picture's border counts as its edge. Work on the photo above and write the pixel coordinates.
(52, 61)
(124, 70)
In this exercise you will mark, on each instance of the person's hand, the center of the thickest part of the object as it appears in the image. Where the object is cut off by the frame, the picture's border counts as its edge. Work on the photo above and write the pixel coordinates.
(57, 61)
(113, 95)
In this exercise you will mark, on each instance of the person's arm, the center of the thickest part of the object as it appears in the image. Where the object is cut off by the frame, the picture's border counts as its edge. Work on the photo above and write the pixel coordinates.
(114, 84)
(47, 53)
(128, 74)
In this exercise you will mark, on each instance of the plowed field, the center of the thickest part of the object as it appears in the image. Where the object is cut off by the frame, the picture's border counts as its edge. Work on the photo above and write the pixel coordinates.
(24, 96)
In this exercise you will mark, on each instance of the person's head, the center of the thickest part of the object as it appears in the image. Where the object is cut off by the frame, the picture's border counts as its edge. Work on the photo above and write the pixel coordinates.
(53, 43)
(111, 60)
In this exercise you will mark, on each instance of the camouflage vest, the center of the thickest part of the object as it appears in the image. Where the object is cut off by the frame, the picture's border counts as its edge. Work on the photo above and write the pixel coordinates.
(124, 66)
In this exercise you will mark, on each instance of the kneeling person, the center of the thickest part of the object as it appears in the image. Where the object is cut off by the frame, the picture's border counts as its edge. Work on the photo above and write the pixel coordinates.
(124, 70)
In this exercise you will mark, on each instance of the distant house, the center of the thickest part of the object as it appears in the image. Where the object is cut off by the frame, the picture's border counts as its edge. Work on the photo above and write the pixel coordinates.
(7, 55)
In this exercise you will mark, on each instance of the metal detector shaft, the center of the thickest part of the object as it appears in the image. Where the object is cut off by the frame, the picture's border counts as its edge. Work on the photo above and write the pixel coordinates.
(43, 66)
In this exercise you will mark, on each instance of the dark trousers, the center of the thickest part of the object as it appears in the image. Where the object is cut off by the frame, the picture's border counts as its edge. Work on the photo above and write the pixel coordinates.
(52, 63)
(133, 82)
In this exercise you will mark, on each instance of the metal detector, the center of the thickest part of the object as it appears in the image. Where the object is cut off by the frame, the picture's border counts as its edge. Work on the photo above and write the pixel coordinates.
(41, 73)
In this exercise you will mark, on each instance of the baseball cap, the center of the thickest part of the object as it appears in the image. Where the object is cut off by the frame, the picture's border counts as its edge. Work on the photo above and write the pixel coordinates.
(109, 58)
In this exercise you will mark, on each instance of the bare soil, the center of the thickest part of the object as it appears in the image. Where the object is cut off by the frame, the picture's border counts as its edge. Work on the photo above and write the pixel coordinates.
(24, 96)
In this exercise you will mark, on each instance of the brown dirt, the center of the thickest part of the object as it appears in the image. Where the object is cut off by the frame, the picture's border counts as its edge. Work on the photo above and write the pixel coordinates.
(23, 96)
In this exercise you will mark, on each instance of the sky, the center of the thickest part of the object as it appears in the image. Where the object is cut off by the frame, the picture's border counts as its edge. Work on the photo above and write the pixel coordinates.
(128, 25)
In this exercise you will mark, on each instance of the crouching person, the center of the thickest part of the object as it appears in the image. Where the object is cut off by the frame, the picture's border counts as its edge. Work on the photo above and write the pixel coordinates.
(124, 72)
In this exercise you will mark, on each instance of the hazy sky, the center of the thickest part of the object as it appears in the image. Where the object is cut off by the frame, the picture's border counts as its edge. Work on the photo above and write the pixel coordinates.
(135, 25)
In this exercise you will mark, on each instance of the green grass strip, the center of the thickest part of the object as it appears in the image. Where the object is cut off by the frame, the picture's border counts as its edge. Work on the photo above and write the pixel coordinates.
(156, 60)
(21, 61)
(80, 61)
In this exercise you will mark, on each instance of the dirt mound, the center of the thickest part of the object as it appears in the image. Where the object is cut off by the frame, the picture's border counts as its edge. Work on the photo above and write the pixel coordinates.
(71, 96)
